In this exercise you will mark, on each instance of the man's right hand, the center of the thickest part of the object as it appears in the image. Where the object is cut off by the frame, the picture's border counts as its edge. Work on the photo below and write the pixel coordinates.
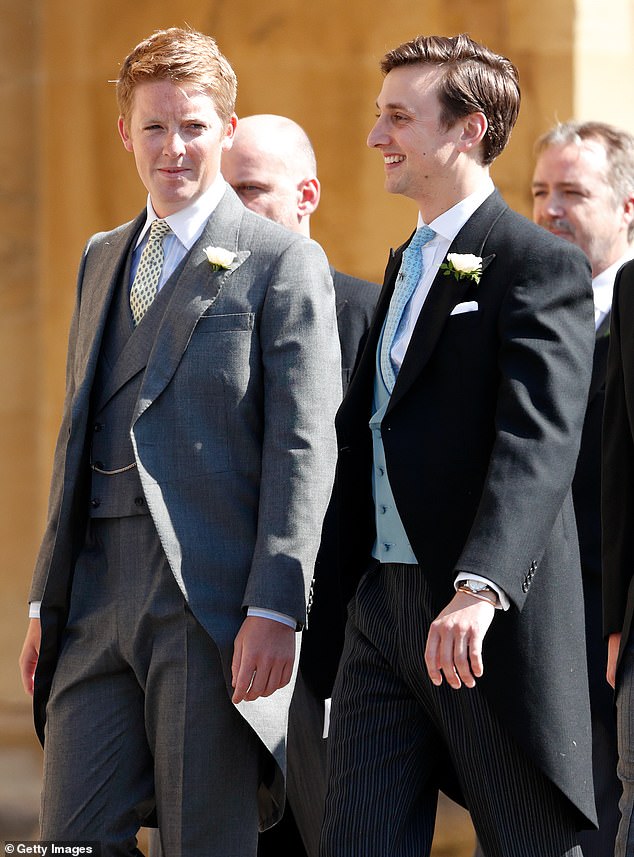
(614, 643)
(29, 654)
(454, 644)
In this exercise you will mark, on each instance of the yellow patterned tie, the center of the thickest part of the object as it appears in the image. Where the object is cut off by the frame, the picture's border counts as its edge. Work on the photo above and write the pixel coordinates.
(147, 275)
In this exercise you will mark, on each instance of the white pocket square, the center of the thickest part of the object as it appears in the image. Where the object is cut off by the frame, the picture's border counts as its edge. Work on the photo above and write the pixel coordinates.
(467, 306)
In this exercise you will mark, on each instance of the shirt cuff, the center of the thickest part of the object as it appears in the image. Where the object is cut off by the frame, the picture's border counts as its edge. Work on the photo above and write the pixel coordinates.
(34, 609)
(274, 615)
(501, 594)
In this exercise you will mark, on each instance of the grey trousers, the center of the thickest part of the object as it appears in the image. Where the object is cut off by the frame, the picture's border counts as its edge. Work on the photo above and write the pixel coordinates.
(305, 783)
(393, 734)
(139, 716)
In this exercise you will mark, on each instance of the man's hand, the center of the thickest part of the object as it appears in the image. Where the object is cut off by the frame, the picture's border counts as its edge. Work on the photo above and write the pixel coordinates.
(454, 644)
(614, 643)
(263, 655)
(29, 654)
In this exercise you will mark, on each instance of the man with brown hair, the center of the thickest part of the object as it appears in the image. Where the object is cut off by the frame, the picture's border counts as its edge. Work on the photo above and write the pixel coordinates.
(192, 472)
(464, 655)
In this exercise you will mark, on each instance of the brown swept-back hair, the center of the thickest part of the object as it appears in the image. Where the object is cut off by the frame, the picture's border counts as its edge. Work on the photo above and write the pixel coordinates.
(181, 56)
(474, 80)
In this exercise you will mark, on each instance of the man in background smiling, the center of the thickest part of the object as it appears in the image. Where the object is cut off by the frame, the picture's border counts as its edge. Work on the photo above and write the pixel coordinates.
(583, 191)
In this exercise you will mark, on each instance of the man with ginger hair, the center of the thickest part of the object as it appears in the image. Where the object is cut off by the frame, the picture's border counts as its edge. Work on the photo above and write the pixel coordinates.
(192, 472)
(458, 437)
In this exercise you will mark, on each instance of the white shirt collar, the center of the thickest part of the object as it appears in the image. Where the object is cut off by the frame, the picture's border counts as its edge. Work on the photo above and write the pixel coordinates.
(603, 286)
(450, 222)
(188, 223)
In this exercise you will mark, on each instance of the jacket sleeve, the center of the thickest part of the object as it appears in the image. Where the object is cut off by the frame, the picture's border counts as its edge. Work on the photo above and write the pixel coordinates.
(546, 341)
(617, 502)
(302, 391)
(44, 556)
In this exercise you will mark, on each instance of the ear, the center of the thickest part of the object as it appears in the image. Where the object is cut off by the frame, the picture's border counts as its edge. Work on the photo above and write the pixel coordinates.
(473, 128)
(309, 194)
(123, 133)
(229, 131)
(628, 209)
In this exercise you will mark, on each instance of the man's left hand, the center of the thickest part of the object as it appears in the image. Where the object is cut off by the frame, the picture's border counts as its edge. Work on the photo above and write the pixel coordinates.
(454, 644)
(263, 655)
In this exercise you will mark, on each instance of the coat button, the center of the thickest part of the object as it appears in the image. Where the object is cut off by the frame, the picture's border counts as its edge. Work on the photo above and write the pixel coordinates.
(95, 502)
(139, 501)
(98, 426)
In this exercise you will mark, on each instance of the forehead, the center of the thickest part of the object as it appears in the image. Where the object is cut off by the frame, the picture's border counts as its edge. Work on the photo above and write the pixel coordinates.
(410, 87)
(582, 162)
(248, 161)
(164, 96)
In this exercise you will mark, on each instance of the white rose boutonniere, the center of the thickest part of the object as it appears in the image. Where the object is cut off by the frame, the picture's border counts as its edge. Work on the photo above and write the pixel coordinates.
(463, 266)
(219, 258)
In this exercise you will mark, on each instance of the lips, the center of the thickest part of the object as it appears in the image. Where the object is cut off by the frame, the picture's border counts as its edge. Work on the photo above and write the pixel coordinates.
(393, 159)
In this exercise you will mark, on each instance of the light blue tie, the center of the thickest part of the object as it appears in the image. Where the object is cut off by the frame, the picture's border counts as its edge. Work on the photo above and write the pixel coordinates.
(406, 281)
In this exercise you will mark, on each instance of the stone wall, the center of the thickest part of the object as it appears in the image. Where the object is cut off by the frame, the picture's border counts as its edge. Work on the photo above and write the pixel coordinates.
(66, 175)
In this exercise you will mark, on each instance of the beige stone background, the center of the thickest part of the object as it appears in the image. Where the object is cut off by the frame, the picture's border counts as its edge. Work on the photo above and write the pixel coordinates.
(64, 175)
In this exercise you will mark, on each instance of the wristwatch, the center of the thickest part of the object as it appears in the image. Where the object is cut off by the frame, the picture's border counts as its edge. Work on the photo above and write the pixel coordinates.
(476, 586)
(479, 589)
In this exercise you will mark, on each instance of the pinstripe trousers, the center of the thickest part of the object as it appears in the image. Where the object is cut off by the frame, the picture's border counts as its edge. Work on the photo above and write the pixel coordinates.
(625, 732)
(394, 736)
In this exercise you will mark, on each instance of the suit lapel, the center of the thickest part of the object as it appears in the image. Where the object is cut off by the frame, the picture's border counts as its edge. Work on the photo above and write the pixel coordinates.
(445, 293)
(98, 287)
(355, 401)
(133, 356)
(604, 328)
(600, 361)
(196, 288)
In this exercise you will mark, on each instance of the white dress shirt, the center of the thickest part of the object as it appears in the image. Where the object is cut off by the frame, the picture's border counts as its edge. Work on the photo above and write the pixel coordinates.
(603, 287)
(446, 227)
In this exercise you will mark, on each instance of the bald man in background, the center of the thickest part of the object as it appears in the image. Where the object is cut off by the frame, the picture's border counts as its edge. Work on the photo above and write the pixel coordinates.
(272, 168)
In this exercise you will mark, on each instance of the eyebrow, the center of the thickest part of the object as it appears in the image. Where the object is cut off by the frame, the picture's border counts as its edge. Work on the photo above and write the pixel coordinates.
(556, 184)
(395, 105)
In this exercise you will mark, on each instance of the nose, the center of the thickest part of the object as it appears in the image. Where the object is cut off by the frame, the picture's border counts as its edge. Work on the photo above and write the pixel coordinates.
(174, 145)
(551, 204)
(378, 135)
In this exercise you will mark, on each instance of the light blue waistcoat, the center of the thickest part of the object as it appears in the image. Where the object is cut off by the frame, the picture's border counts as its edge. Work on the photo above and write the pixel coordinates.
(392, 544)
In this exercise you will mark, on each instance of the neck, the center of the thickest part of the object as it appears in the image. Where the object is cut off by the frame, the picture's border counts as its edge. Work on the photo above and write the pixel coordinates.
(453, 190)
